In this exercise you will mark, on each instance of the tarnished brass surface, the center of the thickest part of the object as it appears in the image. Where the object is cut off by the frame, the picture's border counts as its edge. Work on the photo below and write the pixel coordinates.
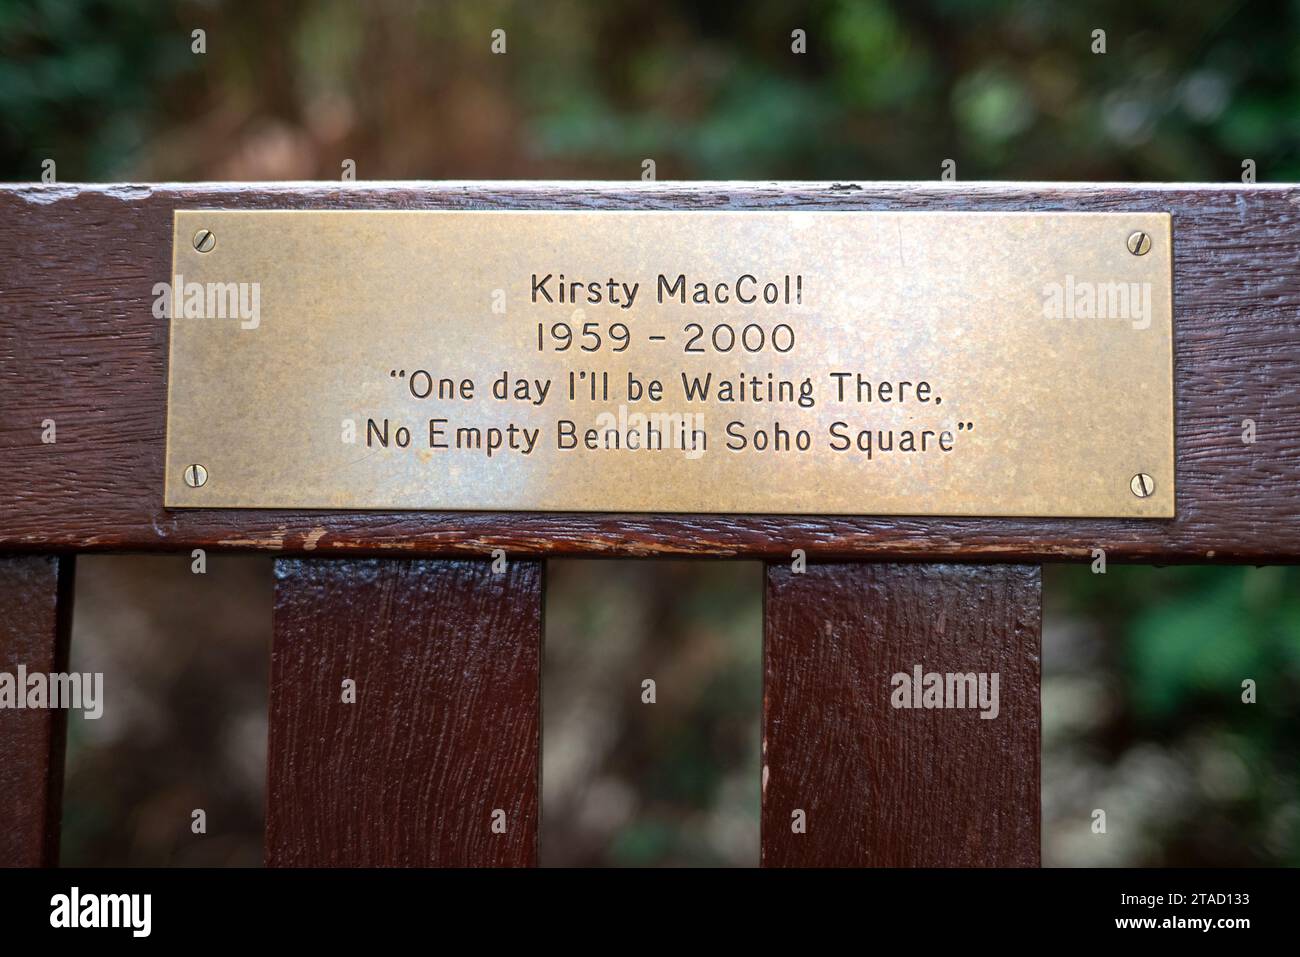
(1044, 342)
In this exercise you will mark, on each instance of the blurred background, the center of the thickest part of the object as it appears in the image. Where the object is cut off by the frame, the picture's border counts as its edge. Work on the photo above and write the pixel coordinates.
(1142, 710)
(1186, 89)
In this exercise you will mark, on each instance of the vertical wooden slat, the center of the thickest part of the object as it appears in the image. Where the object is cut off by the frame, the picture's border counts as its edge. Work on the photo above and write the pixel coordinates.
(886, 786)
(35, 620)
(445, 729)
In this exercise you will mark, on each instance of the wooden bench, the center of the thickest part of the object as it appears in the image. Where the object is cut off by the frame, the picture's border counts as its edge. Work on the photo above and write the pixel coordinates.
(422, 778)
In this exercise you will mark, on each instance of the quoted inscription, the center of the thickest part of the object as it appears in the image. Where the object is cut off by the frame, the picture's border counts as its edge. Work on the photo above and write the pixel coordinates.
(580, 398)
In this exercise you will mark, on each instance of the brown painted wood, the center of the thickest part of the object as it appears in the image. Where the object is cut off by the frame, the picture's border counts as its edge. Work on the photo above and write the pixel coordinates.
(890, 787)
(35, 622)
(78, 344)
(445, 728)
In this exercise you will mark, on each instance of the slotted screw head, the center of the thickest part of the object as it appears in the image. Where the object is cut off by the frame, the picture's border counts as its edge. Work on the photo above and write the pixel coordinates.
(1139, 243)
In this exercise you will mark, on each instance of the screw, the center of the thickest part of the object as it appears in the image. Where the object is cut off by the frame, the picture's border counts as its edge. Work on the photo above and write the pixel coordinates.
(204, 240)
(195, 475)
(1142, 485)
(1139, 243)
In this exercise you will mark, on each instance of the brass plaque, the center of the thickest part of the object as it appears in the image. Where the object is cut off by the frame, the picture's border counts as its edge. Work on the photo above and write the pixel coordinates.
(915, 363)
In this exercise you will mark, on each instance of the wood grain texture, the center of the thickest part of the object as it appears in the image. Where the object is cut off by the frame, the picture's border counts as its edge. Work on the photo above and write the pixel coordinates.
(445, 728)
(78, 344)
(892, 787)
(35, 622)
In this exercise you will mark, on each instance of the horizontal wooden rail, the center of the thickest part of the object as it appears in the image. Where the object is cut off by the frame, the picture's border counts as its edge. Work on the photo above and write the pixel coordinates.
(79, 345)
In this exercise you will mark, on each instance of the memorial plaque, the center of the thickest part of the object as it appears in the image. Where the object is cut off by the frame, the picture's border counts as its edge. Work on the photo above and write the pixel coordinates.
(816, 362)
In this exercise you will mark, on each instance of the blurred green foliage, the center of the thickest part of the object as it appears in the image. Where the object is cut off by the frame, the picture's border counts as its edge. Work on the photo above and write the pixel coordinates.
(1190, 635)
(82, 81)
(886, 90)
(1182, 643)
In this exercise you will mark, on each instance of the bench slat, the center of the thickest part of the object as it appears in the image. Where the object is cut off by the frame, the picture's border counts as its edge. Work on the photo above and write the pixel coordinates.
(35, 624)
(886, 786)
(444, 731)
